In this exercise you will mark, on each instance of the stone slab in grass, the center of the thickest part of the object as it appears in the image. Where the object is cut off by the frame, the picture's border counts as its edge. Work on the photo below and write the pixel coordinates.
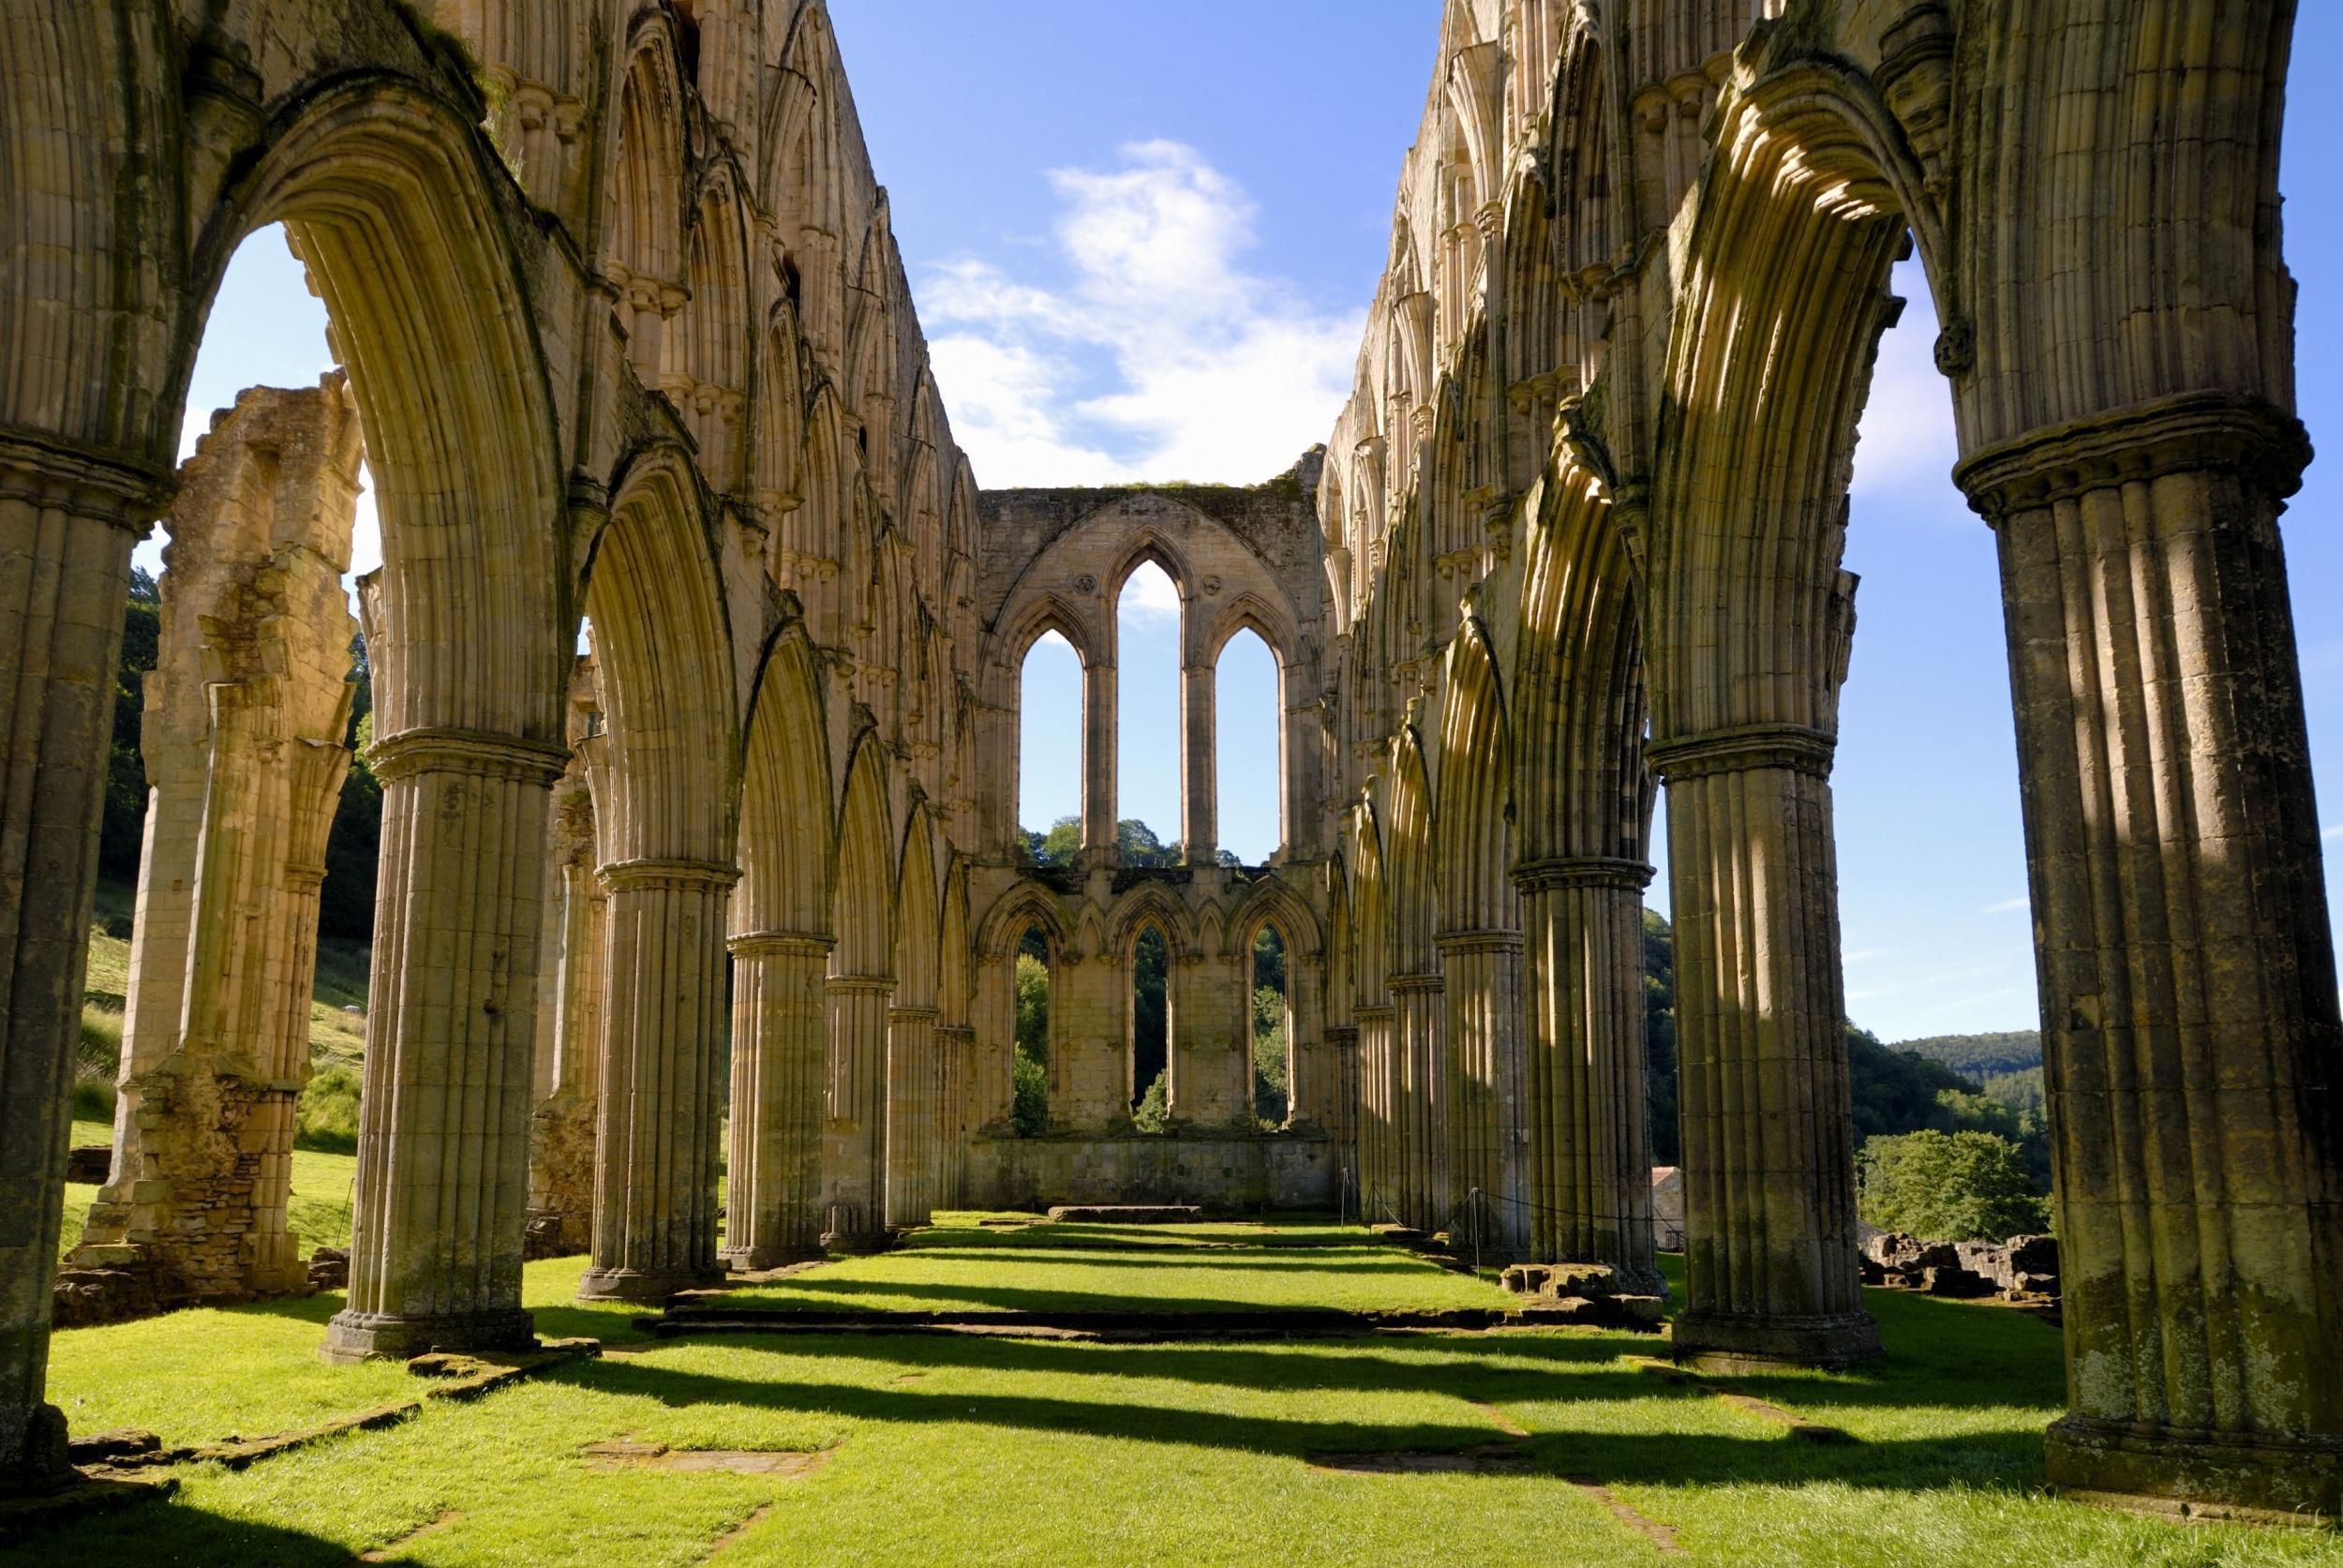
(1124, 1214)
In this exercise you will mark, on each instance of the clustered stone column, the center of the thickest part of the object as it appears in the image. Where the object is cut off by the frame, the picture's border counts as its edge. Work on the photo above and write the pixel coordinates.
(1421, 1127)
(1589, 1125)
(246, 713)
(1199, 798)
(568, 1032)
(2193, 1055)
(1761, 1048)
(67, 521)
(774, 1179)
(1380, 1092)
(435, 1257)
(1100, 842)
(911, 1116)
(1484, 1085)
(955, 1054)
(853, 1125)
(663, 1032)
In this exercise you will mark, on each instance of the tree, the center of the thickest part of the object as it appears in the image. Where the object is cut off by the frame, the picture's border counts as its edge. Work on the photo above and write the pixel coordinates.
(1135, 840)
(1029, 1078)
(1948, 1187)
(1659, 1037)
(122, 829)
(1271, 1067)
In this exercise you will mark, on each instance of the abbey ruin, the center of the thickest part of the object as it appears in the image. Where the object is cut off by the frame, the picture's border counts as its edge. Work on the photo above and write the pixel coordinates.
(695, 658)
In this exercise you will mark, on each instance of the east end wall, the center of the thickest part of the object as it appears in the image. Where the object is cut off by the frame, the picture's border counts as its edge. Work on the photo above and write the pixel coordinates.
(1244, 1174)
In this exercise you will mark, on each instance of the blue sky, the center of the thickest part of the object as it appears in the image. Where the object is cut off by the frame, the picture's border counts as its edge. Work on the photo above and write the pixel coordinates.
(1141, 238)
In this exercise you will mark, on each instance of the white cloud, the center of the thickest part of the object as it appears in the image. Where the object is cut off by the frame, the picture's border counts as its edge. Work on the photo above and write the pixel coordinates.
(1863, 955)
(2006, 906)
(2331, 834)
(1162, 358)
(1148, 592)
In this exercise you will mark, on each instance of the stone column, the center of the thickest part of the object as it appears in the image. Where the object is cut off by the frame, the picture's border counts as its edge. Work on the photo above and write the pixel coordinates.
(780, 1016)
(435, 1255)
(1421, 1106)
(911, 1118)
(67, 521)
(562, 1128)
(663, 1032)
(1099, 845)
(990, 1086)
(1379, 1127)
(1339, 1111)
(1199, 787)
(1589, 1113)
(2189, 1032)
(956, 1049)
(1484, 1084)
(1760, 1045)
(853, 1125)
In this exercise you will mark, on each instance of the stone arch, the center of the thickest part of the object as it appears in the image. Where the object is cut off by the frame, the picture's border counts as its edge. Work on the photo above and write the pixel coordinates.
(370, 179)
(780, 397)
(1147, 545)
(643, 253)
(1027, 904)
(1149, 903)
(1271, 901)
(786, 856)
(1474, 838)
(663, 640)
(864, 883)
(706, 371)
(918, 913)
(1407, 833)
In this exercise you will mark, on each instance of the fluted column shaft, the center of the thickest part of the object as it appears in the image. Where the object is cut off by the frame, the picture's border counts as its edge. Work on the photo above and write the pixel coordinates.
(2189, 1029)
(1485, 1086)
(435, 1255)
(1590, 1112)
(1339, 1107)
(854, 1119)
(780, 1016)
(67, 522)
(1761, 1044)
(561, 1160)
(912, 1141)
(955, 1054)
(662, 1034)
(1421, 1111)
(1378, 1128)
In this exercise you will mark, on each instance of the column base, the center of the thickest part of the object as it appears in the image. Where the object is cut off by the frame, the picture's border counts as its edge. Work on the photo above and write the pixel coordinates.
(756, 1260)
(369, 1335)
(1748, 1342)
(859, 1243)
(2184, 1473)
(42, 1466)
(645, 1286)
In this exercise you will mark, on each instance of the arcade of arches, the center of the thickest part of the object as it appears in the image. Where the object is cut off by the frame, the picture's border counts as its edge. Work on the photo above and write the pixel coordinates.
(628, 342)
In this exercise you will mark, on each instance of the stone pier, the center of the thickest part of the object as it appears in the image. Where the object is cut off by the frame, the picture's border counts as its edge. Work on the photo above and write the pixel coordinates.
(247, 714)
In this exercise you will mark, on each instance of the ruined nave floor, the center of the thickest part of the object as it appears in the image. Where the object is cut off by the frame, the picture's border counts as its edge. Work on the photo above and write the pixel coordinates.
(1557, 1445)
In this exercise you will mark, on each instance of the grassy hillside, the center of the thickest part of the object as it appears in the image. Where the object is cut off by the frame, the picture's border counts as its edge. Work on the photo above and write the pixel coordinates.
(338, 1039)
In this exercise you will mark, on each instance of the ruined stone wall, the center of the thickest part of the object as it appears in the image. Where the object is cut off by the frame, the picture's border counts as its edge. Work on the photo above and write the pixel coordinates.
(247, 715)
(1224, 1176)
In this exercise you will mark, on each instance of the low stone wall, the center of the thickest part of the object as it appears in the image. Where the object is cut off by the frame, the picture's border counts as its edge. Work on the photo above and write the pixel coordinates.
(1239, 1173)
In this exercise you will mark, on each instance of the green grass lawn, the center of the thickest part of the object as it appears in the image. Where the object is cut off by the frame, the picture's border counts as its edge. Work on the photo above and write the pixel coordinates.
(951, 1450)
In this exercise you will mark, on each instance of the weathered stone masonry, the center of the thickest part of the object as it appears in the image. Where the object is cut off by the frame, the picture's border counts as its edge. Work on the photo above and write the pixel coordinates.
(1575, 538)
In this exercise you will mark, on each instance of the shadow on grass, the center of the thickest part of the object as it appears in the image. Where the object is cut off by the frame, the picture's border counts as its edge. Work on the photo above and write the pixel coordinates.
(2009, 1460)
(1356, 1261)
(170, 1531)
(819, 1291)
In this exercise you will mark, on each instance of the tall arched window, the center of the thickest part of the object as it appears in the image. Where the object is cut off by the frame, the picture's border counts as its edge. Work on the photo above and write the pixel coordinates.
(1248, 742)
(1029, 1082)
(1147, 717)
(1049, 750)
(1273, 1030)
(1151, 1030)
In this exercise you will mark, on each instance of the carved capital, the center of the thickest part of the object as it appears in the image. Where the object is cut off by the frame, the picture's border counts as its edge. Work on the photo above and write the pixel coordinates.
(1741, 749)
(1560, 873)
(689, 876)
(780, 944)
(89, 481)
(2254, 439)
(470, 752)
(1493, 940)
